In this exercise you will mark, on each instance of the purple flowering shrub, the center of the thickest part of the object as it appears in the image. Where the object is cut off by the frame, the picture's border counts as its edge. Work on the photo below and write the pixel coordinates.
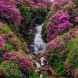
(63, 19)
(9, 12)
(59, 22)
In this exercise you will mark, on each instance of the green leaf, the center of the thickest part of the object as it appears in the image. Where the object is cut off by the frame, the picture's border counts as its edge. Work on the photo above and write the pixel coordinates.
(9, 46)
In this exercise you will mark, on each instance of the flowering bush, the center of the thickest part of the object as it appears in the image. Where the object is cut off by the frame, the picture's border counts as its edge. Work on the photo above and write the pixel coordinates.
(59, 22)
(63, 37)
(55, 43)
(9, 56)
(24, 63)
(76, 19)
(9, 12)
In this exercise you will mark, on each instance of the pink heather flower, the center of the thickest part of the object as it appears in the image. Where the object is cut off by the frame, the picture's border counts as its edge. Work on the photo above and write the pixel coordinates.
(40, 3)
(59, 22)
(13, 56)
(36, 3)
(60, 15)
(25, 63)
(9, 10)
(60, 3)
(71, 35)
(6, 56)
(63, 26)
(2, 42)
(51, 35)
(55, 43)
(76, 19)
(9, 56)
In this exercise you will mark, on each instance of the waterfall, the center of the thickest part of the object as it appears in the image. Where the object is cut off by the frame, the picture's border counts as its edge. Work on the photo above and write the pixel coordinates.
(39, 44)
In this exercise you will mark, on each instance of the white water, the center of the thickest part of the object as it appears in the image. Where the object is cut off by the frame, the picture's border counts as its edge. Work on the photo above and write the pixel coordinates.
(39, 44)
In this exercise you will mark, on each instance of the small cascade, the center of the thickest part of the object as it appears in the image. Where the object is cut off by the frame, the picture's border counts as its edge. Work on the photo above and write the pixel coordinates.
(39, 44)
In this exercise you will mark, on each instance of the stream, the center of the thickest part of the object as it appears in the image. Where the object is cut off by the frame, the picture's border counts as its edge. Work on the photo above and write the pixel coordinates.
(39, 44)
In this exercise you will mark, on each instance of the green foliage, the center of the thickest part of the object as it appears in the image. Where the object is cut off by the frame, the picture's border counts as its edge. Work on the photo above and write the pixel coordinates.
(6, 29)
(30, 14)
(36, 75)
(39, 14)
(60, 69)
(56, 62)
(75, 60)
(11, 69)
(9, 46)
(45, 76)
(25, 11)
(72, 46)
(33, 75)
(76, 1)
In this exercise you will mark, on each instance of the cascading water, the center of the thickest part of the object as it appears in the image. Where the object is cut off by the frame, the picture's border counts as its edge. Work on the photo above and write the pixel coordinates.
(39, 44)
